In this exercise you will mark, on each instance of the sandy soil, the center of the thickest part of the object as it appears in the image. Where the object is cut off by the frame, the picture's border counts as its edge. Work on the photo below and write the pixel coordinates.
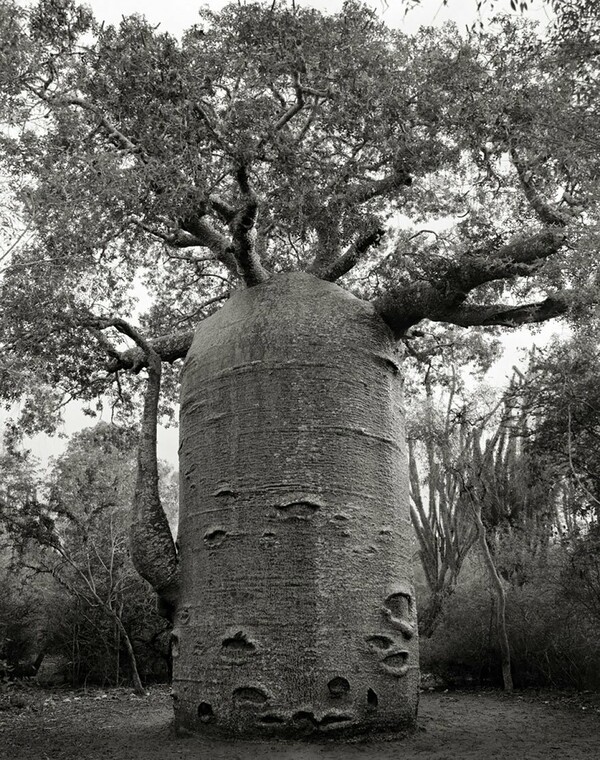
(114, 725)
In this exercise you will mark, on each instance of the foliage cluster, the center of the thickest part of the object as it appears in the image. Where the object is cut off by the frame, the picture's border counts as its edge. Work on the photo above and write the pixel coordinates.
(272, 138)
(71, 589)
(532, 478)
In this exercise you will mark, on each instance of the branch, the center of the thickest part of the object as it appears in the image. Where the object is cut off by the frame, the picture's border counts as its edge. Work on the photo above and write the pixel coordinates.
(520, 257)
(196, 232)
(115, 134)
(124, 328)
(204, 234)
(223, 209)
(152, 548)
(296, 108)
(438, 298)
(543, 210)
(470, 315)
(326, 258)
(210, 238)
(168, 347)
(352, 255)
(248, 262)
(369, 190)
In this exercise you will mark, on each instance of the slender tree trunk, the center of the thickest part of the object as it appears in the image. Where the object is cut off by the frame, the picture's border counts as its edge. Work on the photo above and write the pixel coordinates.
(118, 648)
(135, 676)
(296, 614)
(500, 595)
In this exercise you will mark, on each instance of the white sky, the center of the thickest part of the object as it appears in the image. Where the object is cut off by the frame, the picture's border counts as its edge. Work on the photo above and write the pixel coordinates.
(175, 16)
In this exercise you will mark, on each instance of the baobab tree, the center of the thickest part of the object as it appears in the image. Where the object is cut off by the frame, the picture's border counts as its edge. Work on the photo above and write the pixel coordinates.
(246, 177)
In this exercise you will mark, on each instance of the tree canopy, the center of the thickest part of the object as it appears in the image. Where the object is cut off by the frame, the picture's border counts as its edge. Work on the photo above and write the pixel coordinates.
(274, 138)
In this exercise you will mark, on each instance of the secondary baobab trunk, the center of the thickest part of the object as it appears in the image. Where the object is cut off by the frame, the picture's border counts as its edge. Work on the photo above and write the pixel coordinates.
(296, 613)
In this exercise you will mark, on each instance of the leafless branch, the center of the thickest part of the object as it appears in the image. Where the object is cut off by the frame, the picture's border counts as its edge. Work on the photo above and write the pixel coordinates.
(352, 255)
(242, 228)
(286, 117)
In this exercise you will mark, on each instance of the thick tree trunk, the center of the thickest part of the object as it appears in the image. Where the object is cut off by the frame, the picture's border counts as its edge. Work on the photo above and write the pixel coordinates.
(152, 548)
(296, 614)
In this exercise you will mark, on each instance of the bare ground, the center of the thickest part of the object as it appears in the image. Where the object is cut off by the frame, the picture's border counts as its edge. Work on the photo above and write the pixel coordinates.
(37, 724)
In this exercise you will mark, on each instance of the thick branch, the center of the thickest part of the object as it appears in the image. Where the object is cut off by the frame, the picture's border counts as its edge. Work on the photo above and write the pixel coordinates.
(352, 255)
(328, 230)
(224, 211)
(520, 257)
(469, 315)
(168, 347)
(152, 547)
(248, 261)
(295, 108)
(208, 237)
(542, 209)
(369, 190)
(202, 234)
(440, 298)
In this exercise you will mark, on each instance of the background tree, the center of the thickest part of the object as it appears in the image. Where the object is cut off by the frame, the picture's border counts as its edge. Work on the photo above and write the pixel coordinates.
(76, 532)
(266, 153)
(439, 514)
(561, 400)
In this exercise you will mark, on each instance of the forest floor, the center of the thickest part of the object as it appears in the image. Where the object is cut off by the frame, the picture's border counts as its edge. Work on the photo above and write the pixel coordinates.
(43, 724)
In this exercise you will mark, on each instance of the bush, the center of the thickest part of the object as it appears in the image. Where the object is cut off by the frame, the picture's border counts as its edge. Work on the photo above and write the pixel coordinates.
(553, 636)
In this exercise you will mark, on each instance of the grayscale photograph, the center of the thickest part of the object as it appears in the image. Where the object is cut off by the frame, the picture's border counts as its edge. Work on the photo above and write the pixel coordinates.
(299, 379)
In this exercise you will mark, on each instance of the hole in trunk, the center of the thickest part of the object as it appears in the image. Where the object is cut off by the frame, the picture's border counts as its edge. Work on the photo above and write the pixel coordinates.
(215, 537)
(205, 712)
(305, 717)
(238, 643)
(338, 687)
(174, 645)
(399, 605)
(184, 616)
(329, 720)
(396, 660)
(270, 719)
(399, 610)
(225, 491)
(302, 509)
(372, 699)
(250, 694)
(396, 664)
(380, 642)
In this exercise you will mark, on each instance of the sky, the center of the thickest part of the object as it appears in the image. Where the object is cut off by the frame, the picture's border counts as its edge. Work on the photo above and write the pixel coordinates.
(176, 15)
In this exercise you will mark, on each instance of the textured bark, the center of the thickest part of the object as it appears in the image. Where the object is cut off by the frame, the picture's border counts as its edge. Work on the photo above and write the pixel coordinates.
(297, 613)
(152, 547)
(168, 347)
(443, 299)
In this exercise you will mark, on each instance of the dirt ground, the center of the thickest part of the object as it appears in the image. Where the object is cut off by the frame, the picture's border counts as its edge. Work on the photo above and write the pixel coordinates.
(38, 724)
